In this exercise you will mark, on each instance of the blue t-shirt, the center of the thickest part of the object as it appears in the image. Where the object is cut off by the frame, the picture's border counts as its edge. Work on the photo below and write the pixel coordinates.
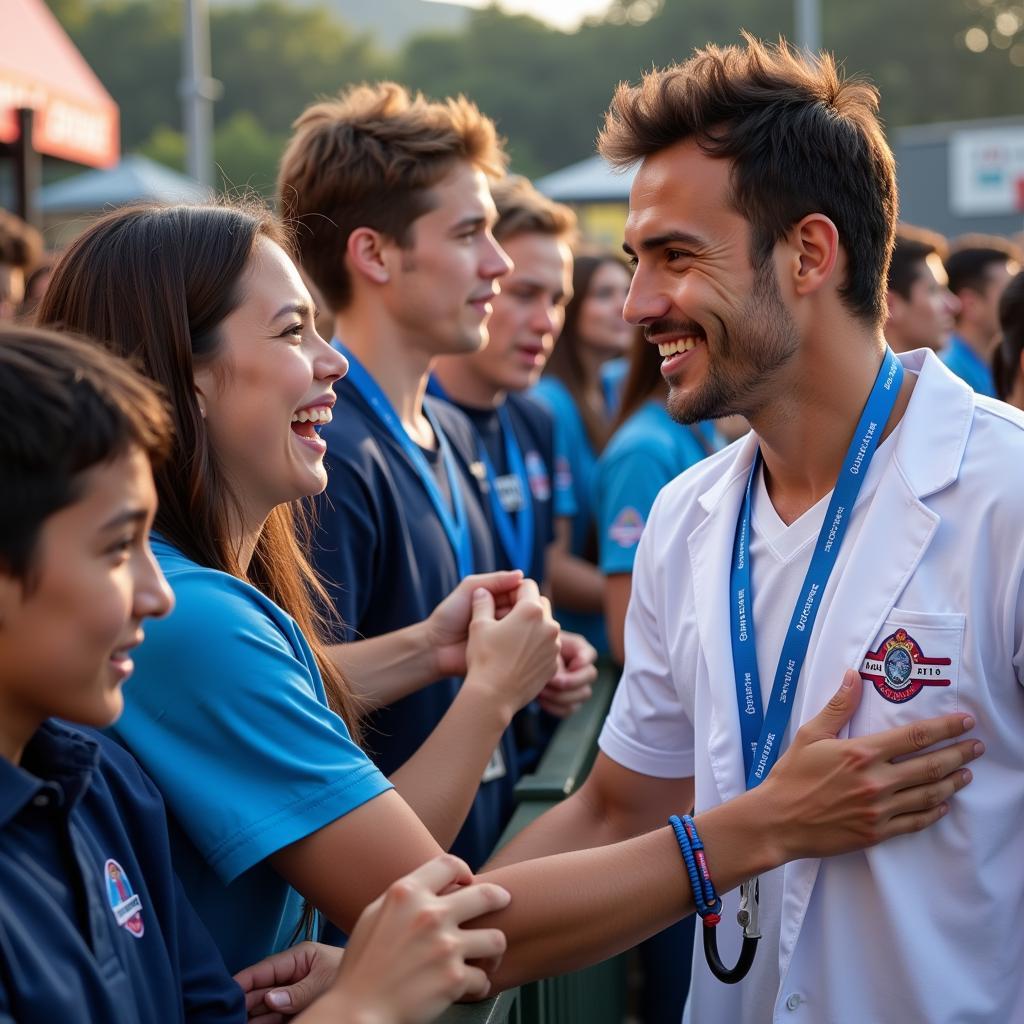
(94, 925)
(575, 465)
(643, 455)
(613, 379)
(387, 561)
(227, 713)
(969, 366)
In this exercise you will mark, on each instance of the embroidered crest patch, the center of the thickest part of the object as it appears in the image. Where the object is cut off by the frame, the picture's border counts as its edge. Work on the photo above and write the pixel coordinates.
(124, 902)
(627, 527)
(899, 670)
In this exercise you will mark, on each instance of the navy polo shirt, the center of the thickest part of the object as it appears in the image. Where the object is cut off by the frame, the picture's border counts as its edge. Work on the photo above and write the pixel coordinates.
(94, 925)
(388, 563)
(534, 429)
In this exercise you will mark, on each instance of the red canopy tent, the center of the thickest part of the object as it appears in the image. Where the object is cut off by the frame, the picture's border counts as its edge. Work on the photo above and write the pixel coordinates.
(72, 116)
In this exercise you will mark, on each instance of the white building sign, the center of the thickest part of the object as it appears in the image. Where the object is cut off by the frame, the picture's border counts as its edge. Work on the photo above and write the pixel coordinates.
(986, 171)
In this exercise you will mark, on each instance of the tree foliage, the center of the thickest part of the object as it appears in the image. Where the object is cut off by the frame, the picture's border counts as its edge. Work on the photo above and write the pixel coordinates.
(546, 89)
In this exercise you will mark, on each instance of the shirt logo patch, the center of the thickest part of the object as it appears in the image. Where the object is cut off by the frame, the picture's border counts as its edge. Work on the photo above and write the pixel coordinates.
(510, 492)
(627, 527)
(537, 474)
(899, 670)
(125, 904)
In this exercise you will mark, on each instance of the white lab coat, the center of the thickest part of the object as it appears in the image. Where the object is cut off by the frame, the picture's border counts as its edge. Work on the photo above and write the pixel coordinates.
(927, 928)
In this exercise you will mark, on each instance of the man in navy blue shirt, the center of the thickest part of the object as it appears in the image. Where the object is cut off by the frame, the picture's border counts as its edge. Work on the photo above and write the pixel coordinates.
(515, 432)
(390, 196)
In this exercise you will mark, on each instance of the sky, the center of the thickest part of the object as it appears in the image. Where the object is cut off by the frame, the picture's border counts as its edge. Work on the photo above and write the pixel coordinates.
(564, 14)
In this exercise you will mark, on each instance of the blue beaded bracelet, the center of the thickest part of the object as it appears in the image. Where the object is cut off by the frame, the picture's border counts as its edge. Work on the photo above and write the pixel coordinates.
(705, 898)
(708, 902)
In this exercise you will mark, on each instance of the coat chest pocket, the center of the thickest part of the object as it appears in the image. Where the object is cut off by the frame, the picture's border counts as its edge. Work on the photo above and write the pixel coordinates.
(912, 668)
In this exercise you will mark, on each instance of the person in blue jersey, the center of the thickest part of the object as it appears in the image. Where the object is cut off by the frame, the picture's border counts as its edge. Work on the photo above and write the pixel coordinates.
(979, 268)
(93, 921)
(394, 223)
(646, 451)
(1008, 361)
(920, 308)
(594, 332)
(516, 433)
(238, 709)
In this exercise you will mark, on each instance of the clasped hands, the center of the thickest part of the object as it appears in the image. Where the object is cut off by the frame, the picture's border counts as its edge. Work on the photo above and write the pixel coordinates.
(565, 689)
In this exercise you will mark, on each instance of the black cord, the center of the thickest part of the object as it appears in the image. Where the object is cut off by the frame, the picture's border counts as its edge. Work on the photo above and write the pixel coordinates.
(718, 969)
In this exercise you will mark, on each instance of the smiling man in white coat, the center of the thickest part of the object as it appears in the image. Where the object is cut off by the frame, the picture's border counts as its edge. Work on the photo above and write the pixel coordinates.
(869, 521)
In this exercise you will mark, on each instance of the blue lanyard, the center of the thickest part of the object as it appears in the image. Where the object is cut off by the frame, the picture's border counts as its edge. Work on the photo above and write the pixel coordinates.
(762, 733)
(454, 521)
(516, 539)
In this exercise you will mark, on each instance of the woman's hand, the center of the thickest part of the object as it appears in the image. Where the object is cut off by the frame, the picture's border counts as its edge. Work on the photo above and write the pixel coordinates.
(448, 623)
(512, 659)
(405, 963)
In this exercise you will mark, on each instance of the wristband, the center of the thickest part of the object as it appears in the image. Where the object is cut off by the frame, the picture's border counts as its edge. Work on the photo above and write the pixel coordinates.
(709, 905)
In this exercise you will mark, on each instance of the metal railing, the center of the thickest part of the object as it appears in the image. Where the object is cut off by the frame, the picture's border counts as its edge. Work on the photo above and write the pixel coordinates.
(596, 995)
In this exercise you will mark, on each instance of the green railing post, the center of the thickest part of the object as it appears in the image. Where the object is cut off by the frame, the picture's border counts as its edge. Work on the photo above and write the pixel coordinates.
(596, 995)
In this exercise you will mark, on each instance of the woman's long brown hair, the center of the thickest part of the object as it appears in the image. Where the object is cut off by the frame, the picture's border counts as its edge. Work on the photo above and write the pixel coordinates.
(154, 283)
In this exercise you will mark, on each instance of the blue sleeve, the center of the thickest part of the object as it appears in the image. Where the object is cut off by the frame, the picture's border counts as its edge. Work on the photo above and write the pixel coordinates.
(230, 723)
(627, 484)
(564, 503)
(346, 543)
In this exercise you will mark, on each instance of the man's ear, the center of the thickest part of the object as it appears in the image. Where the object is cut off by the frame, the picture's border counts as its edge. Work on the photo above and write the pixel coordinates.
(368, 252)
(814, 252)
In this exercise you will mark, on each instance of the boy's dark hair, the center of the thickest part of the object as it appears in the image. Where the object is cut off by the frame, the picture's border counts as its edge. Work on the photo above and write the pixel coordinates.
(801, 138)
(970, 258)
(65, 406)
(911, 249)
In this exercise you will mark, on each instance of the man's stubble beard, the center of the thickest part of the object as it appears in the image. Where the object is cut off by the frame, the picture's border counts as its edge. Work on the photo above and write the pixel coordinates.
(760, 354)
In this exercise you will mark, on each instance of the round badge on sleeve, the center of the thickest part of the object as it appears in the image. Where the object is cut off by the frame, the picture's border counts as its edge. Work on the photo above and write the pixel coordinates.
(123, 900)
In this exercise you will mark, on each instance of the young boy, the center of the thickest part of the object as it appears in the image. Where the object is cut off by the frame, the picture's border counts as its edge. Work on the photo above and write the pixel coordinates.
(93, 921)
